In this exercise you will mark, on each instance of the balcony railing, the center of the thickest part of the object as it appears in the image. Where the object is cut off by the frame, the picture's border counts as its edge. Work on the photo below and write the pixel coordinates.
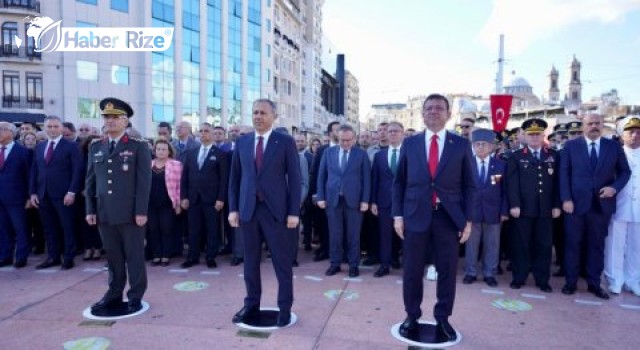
(29, 53)
(31, 5)
(23, 102)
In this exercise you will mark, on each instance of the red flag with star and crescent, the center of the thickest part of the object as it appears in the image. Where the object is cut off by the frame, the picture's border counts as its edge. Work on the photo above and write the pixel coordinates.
(500, 111)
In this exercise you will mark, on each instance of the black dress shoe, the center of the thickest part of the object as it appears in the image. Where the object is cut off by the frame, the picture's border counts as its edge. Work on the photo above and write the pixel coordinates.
(354, 272)
(20, 264)
(320, 257)
(569, 289)
(67, 265)
(187, 264)
(598, 292)
(444, 331)
(408, 328)
(211, 263)
(105, 304)
(468, 279)
(332, 270)
(134, 306)
(491, 281)
(246, 314)
(382, 271)
(545, 287)
(370, 261)
(284, 318)
(516, 285)
(47, 264)
(236, 261)
(6, 262)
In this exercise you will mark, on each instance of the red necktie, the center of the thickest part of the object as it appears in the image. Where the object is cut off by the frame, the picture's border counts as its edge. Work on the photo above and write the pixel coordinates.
(433, 162)
(2, 156)
(259, 153)
(49, 154)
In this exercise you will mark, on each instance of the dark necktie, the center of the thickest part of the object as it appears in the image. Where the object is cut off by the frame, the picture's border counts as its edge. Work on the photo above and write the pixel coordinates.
(343, 161)
(394, 161)
(433, 163)
(2, 149)
(259, 153)
(593, 157)
(536, 155)
(483, 172)
(49, 154)
(112, 146)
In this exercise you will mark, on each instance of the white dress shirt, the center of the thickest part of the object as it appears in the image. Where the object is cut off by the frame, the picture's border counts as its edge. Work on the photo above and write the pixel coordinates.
(442, 134)
(390, 153)
(265, 139)
(56, 142)
(628, 200)
(7, 150)
(597, 141)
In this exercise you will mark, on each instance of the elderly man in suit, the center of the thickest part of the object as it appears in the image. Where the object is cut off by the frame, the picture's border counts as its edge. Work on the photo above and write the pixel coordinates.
(264, 199)
(203, 189)
(344, 189)
(490, 209)
(432, 206)
(593, 170)
(385, 167)
(118, 185)
(15, 162)
(56, 177)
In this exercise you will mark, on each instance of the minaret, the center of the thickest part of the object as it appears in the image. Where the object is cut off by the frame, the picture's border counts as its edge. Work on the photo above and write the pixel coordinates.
(499, 74)
(575, 86)
(554, 92)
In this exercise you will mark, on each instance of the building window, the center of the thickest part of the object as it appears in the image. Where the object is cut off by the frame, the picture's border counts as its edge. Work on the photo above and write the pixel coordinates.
(120, 5)
(82, 24)
(30, 43)
(34, 90)
(88, 108)
(120, 75)
(9, 33)
(87, 70)
(10, 87)
(90, 2)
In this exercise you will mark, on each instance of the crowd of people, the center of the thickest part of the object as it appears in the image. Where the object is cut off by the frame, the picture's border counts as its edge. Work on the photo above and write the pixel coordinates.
(523, 194)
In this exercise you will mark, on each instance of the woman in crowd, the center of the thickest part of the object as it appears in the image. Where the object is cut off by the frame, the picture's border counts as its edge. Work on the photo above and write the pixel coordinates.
(314, 145)
(34, 225)
(90, 235)
(164, 202)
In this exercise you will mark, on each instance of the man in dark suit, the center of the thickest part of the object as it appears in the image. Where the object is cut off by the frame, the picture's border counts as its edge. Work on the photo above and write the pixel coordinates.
(490, 209)
(118, 185)
(532, 187)
(15, 162)
(320, 217)
(56, 177)
(203, 190)
(385, 166)
(344, 189)
(307, 207)
(264, 199)
(593, 170)
(432, 205)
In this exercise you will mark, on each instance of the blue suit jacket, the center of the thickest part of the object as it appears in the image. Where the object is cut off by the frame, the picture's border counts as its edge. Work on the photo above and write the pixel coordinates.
(455, 182)
(63, 174)
(491, 197)
(355, 181)
(580, 184)
(381, 180)
(14, 176)
(278, 181)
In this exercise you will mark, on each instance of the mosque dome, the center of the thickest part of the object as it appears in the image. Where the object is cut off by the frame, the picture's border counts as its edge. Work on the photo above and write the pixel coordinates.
(519, 82)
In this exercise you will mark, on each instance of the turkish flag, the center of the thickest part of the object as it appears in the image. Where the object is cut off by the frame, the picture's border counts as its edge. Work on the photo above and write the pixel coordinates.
(500, 111)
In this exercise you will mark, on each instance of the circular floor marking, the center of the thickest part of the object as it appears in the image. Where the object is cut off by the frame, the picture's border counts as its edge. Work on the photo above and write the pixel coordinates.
(93, 343)
(395, 332)
(294, 319)
(511, 305)
(334, 294)
(190, 286)
(87, 314)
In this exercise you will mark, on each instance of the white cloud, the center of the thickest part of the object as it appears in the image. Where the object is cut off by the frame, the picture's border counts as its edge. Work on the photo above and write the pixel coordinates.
(524, 21)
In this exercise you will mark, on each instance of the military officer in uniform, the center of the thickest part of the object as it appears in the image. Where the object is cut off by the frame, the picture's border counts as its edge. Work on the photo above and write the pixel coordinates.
(118, 184)
(532, 188)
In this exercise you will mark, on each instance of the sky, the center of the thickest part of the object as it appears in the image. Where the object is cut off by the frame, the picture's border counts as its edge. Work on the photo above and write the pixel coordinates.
(402, 48)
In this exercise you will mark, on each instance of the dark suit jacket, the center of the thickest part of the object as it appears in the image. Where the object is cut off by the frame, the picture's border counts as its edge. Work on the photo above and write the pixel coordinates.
(581, 184)
(206, 185)
(278, 181)
(381, 180)
(354, 182)
(117, 186)
(181, 154)
(315, 169)
(14, 176)
(532, 185)
(63, 174)
(455, 182)
(491, 198)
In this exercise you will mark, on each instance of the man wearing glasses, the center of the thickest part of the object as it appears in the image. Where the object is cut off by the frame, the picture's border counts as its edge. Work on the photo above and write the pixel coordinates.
(466, 126)
(118, 184)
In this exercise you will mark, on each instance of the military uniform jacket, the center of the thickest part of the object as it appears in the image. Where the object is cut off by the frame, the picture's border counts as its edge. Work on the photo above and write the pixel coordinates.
(532, 184)
(118, 184)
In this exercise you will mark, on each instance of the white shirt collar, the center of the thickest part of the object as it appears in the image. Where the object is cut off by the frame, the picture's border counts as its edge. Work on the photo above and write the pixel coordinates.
(8, 147)
(117, 139)
(56, 140)
(265, 136)
(597, 141)
(442, 134)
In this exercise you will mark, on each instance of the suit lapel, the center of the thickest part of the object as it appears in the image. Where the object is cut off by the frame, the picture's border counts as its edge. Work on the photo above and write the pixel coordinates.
(270, 149)
(350, 159)
(604, 148)
(385, 159)
(422, 153)
(449, 145)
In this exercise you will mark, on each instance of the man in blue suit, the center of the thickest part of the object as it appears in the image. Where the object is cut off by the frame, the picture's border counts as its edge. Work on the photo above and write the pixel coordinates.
(432, 206)
(15, 162)
(593, 169)
(264, 199)
(344, 189)
(490, 209)
(385, 166)
(56, 179)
